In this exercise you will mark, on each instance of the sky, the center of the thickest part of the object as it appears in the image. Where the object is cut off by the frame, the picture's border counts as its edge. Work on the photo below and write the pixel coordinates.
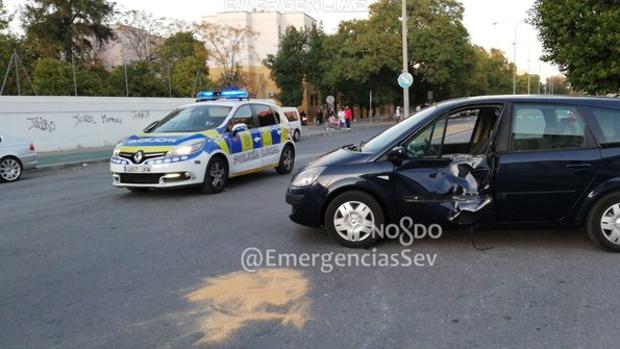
(480, 16)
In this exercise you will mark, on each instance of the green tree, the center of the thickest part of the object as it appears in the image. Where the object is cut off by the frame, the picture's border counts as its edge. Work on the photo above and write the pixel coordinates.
(189, 75)
(582, 38)
(186, 57)
(366, 53)
(558, 85)
(181, 45)
(491, 73)
(4, 18)
(316, 60)
(61, 27)
(534, 83)
(142, 79)
(52, 77)
(287, 66)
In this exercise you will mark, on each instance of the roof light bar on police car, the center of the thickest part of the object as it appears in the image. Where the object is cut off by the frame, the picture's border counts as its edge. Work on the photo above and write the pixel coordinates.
(226, 94)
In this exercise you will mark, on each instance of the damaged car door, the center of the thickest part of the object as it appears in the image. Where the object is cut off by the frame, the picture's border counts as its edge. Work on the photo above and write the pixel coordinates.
(444, 170)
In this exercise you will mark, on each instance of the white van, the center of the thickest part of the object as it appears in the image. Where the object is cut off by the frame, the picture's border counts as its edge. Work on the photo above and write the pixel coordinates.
(294, 120)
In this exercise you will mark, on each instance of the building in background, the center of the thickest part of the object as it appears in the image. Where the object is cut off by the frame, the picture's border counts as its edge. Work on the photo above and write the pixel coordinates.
(268, 26)
(128, 45)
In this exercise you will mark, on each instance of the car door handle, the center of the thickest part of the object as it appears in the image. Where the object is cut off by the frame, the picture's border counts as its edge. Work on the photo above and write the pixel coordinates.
(579, 165)
(257, 139)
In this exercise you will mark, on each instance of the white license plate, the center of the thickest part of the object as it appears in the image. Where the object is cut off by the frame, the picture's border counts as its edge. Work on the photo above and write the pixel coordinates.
(137, 169)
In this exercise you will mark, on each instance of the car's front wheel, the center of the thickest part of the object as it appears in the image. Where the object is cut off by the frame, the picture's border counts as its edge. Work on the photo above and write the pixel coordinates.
(603, 224)
(10, 169)
(352, 218)
(296, 136)
(216, 176)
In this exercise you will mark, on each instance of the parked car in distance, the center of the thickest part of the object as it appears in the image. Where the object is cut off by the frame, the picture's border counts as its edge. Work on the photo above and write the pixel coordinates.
(294, 120)
(16, 155)
(495, 161)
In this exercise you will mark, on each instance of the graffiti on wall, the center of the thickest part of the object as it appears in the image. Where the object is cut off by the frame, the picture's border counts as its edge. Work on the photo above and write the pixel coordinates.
(42, 124)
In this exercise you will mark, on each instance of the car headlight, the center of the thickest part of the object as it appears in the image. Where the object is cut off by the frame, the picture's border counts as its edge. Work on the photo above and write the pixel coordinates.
(186, 149)
(307, 178)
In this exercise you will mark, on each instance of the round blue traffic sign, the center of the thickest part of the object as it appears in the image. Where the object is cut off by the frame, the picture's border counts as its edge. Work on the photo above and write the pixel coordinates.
(405, 80)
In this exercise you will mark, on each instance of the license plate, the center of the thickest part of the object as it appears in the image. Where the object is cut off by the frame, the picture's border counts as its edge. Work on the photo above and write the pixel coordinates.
(137, 169)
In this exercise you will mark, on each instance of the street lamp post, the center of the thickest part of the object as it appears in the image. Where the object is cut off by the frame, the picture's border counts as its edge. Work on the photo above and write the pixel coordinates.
(514, 44)
(405, 59)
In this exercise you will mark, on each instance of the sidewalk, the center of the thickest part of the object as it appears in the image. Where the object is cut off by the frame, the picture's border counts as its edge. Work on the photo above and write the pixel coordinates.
(59, 159)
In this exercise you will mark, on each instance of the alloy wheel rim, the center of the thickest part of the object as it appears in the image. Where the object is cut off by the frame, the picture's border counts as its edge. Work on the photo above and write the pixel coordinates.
(354, 221)
(217, 175)
(287, 159)
(610, 224)
(10, 170)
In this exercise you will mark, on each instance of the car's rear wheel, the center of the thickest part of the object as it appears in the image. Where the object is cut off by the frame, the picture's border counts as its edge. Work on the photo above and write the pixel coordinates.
(603, 223)
(296, 136)
(287, 160)
(351, 219)
(11, 169)
(216, 176)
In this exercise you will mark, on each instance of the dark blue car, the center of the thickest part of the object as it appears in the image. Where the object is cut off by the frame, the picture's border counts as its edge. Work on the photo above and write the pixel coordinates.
(501, 161)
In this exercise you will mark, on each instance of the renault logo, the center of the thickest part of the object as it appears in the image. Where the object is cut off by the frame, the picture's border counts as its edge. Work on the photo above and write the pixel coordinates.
(137, 157)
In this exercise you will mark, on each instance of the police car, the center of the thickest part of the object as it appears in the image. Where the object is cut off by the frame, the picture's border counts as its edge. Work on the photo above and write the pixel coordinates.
(223, 135)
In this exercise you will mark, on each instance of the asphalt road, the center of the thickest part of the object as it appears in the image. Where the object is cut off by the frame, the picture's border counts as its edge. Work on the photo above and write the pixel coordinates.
(85, 265)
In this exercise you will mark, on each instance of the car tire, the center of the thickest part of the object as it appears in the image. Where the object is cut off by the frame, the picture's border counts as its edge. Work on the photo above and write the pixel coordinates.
(216, 176)
(138, 189)
(296, 136)
(287, 160)
(11, 169)
(603, 222)
(350, 216)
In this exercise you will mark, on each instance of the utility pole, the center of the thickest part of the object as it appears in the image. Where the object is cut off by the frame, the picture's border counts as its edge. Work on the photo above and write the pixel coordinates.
(405, 59)
(370, 109)
(126, 80)
(19, 89)
(74, 78)
(169, 80)
(6, 75)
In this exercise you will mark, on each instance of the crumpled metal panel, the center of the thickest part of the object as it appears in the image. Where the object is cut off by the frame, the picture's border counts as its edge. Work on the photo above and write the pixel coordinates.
(458, 190)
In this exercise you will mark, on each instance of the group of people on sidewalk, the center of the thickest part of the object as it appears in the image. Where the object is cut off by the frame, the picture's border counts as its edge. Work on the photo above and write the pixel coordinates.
(341, 120)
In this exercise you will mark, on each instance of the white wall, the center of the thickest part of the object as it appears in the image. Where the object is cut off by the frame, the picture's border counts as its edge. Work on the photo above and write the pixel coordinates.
(67, 123)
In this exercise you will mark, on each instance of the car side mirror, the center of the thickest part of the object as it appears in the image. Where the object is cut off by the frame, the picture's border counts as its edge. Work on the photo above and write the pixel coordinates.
(238, 128)
(150, 126)
(397, 153)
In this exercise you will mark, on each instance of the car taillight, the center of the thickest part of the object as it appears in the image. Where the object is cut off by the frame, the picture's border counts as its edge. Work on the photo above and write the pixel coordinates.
(31, 147)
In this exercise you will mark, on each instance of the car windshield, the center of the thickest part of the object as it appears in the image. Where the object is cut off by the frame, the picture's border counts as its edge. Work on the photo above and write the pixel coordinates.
(193, 119)
(388, 136)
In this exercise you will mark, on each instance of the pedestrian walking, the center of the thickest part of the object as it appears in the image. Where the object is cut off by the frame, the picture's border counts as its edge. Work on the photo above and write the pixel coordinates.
(342, 118)
(348, 116)
(397, 115)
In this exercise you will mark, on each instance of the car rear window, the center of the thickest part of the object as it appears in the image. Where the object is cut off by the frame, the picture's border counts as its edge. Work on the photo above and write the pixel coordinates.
(608, 122)
(547, 127)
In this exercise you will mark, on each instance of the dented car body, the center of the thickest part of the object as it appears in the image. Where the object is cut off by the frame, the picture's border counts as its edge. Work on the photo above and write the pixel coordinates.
(514, 161)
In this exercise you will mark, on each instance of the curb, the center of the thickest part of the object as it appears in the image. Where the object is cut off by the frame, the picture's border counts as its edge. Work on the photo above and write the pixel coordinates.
(70, 164)
(337, 132)
(81, 163)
